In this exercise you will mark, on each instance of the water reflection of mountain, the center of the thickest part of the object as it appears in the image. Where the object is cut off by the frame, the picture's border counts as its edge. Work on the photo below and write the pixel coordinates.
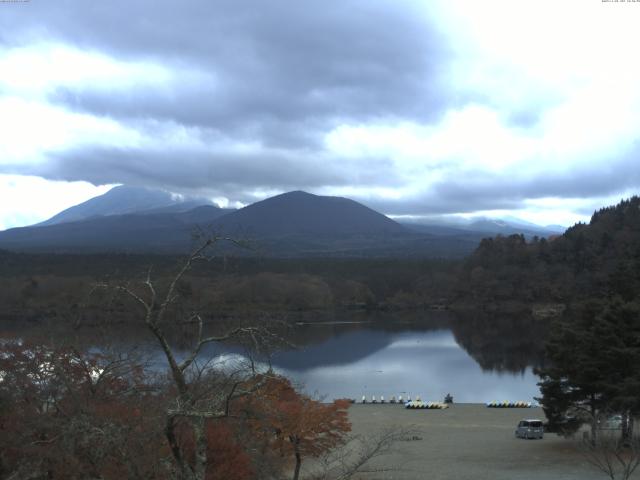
(502, 343)
(497, 343)
(325, 340)
(349, 338)
(340, 349)
(425, 362)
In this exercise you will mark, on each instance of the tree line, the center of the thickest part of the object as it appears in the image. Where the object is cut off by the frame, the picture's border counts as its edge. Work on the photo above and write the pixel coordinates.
(598, 259)
(71, 413)
(590, 374)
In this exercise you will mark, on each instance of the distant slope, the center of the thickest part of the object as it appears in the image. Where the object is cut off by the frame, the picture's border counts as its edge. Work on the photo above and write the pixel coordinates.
(503, 227)
(295, 224)
(301, 213)
(443, 230)
(124, 200)
(482, 227)
(139, 232)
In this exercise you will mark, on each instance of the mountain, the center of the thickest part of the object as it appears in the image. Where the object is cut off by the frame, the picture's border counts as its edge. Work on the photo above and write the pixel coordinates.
(294, 224)
(135, 232)
(501, 227)
(291, 224)
(301, 213)
(527, 226)
(124, 200)
(480, 227)
(441, 229)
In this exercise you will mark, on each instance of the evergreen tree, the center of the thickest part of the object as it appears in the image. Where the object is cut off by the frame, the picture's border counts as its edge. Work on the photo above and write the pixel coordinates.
(571, 384)
(593, 355)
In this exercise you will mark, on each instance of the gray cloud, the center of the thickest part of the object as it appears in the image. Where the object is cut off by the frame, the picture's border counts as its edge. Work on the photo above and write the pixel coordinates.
(266, 66)
(278, 74)
(216, 173)
(281, 74)
(471, 191)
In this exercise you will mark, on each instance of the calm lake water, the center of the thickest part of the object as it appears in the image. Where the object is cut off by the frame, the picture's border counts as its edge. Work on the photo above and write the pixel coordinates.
(472, 361)
(429, 364)
(475, 358)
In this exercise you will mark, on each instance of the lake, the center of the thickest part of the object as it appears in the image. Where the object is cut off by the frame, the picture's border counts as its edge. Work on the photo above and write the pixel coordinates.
(475, 357)
(429, 364)
(427, 358)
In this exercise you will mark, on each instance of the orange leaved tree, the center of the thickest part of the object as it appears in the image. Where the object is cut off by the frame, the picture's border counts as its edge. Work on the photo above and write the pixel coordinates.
(295, 424)
(70, 414)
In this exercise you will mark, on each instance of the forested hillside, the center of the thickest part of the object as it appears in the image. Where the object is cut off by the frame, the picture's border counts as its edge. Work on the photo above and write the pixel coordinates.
(599, 258)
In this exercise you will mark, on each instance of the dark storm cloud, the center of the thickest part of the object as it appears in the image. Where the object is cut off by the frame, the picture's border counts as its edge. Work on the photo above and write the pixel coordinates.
(264, 66)
(216, 173)
(277, 76)
(281, 74)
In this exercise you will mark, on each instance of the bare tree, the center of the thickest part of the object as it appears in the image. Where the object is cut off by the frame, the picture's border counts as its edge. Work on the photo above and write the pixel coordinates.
(358, 455)
(202, 392)
(613, 456)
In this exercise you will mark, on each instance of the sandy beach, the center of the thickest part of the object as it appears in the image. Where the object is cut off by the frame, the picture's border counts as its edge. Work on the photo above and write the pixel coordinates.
(471, 441)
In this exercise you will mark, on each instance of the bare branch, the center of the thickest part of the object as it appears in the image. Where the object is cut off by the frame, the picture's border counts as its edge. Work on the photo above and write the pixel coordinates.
(358, 454)
(197, 254)
(194, 353)
(151, 288)
(613, 457)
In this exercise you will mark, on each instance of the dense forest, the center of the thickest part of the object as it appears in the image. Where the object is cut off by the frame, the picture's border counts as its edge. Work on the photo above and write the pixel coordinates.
(596, 259)
(507, 273)
(35, 285)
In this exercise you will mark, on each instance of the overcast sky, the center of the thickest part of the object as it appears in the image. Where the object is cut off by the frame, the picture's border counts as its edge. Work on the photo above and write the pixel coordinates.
(421, 108)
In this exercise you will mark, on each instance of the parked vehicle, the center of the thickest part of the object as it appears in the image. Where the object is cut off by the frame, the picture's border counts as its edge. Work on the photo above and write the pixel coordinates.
(613, 422)
(530, 429)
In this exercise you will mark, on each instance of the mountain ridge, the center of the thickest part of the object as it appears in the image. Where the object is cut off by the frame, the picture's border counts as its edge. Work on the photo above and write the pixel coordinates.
(297, 223)
(294, 223)
(126, 199)
(299, 212)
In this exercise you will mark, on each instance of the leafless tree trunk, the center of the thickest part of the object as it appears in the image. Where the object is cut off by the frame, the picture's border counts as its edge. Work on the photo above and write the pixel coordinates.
(627, 426)
(296, 449)
(193, 403)
(594, 422)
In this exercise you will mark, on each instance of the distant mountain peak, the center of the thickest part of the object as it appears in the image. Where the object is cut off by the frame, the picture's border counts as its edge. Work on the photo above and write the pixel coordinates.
(291, 223)
(126, 199)
(294, 193)
(301, 213)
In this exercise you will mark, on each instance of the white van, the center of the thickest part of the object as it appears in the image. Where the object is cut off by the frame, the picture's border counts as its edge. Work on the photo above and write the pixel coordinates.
(530, 428)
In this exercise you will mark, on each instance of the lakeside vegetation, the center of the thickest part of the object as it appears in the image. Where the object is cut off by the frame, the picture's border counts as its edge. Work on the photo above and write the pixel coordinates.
(599, 259)
(584, 285)
(35, 285)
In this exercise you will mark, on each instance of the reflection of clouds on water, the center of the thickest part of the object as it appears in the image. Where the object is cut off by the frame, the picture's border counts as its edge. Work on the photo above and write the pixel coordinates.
(384, 357)
(229, 361)
(341, 349)
(429, 364)
(368, 361)
(422, 341)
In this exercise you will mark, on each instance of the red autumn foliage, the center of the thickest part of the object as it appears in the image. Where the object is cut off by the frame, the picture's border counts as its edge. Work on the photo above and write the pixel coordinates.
(295, 425)
(227, 459)
(66, 414)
